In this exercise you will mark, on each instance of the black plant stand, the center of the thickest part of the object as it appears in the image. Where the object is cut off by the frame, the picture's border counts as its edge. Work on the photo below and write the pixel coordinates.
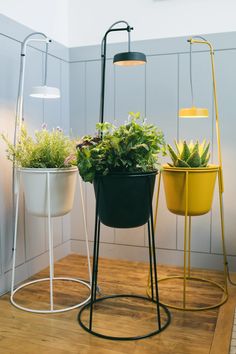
(161, 323)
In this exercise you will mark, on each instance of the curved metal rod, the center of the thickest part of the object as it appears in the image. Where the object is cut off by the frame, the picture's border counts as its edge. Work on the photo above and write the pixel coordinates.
(190, 65)
(111, 29)
(46, 66)
(19, 104)
(202, 40)
(20, 101)
(190, 76)
(103, 61)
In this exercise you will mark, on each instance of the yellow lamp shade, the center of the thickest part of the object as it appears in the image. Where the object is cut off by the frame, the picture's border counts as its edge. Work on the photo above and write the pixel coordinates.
(193, 112)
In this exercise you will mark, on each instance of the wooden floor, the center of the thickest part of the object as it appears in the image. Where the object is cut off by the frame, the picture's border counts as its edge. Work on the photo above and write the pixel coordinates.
(188, 333)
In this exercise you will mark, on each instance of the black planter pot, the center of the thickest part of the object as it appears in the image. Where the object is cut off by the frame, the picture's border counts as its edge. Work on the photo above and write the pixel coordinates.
(124, 198)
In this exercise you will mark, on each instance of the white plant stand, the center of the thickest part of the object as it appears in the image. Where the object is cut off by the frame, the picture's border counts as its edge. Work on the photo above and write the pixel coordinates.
(51, 277)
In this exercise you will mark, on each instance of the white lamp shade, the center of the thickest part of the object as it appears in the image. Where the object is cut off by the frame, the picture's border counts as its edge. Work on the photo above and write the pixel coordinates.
(45, 92)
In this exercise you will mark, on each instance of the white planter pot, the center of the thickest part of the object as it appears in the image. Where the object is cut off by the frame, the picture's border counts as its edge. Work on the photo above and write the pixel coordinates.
(62, 190)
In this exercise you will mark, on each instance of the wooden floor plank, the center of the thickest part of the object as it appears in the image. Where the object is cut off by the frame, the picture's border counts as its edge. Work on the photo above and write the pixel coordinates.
(189, 332)
(222, 336)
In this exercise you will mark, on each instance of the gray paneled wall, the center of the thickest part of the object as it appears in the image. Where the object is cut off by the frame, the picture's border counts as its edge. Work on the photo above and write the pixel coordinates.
(32, 239)
(157, 90)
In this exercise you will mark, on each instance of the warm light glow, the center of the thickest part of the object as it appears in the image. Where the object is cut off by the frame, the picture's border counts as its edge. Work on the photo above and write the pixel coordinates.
(129, 59)
(193, 112)
(45, 92)
(129, 62)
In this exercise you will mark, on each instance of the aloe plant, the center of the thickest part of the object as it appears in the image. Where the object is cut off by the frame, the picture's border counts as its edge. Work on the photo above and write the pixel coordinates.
(189, 155)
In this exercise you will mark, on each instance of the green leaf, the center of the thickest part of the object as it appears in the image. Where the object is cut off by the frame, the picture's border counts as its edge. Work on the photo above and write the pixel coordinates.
(206, 160)
(196, 147)
(205, 154)
(177, 146)
(173, 155)
(194, 160)
(181, 163)
(185, 152)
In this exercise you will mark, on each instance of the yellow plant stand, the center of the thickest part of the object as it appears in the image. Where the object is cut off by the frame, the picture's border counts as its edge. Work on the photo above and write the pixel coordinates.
(190, 204)
(180, 204)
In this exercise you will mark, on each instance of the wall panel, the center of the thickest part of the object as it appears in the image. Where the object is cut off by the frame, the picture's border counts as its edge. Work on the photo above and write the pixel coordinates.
(9, 68)
(161, 108)
(158, 90)
(77, 99)
(77, 86)
(32, 241)
(226, 85)
(129, 97)
(93, 85)
(35, 242)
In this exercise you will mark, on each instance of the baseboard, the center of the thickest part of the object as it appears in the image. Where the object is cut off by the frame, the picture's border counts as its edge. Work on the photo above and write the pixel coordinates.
(164, 256)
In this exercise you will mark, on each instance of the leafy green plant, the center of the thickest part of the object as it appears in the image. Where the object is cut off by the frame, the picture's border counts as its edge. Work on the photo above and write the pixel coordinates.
(189, 155)
(132, 147)
(45, 150)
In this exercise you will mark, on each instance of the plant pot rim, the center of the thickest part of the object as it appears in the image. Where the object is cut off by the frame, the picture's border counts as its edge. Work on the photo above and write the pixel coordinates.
(209, 168)
(43, 169)
(127, 174)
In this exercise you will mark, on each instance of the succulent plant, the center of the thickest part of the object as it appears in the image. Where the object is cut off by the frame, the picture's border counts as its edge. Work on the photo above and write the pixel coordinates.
(189, 155)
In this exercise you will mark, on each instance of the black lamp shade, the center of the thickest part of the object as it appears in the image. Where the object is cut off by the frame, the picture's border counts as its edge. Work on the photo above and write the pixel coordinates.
(129, 59)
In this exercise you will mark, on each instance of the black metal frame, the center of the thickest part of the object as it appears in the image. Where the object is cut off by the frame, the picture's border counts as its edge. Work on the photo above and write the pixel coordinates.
(153, 277)
(103, 61)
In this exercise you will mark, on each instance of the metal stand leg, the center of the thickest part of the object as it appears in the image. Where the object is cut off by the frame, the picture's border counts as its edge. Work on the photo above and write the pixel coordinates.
(189, 245)
(187, 257)
(185, 239)
(86, 231)
(154, 257)
(50, 241)
(17, 191)
(220, 183)
(95, 259)
(150, 278)
(150, 282)
(161, 325)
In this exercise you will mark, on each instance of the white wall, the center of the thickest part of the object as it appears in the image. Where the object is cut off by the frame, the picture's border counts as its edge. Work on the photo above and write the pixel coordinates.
(48, 16)
(79, 22)
(88, 20)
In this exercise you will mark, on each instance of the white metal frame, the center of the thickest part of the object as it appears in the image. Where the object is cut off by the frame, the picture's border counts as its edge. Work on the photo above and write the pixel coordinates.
(51, 278)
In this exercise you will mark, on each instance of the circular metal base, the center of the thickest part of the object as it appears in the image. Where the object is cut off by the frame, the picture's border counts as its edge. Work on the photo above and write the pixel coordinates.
(187, 308)
(162, 327)
(51, 310)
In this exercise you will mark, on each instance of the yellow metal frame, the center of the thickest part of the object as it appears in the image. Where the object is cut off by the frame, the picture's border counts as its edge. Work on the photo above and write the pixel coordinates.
(187, 253)
(197, 41)
(187, 219)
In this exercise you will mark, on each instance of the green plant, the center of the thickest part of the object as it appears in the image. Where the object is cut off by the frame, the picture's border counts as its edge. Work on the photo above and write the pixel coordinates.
(189, 155)
(45, 150)
(132, 147)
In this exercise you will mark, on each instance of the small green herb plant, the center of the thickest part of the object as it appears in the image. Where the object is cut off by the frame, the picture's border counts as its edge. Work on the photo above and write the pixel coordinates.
(189, 154)
(132, 147)
(47, 149)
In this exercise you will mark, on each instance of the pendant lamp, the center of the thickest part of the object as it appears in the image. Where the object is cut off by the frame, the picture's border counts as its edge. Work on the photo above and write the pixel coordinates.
(193, 111)
(128, 58)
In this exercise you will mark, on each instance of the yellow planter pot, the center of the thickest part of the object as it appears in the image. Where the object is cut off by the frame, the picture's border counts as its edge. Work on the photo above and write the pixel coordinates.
(201, 184)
